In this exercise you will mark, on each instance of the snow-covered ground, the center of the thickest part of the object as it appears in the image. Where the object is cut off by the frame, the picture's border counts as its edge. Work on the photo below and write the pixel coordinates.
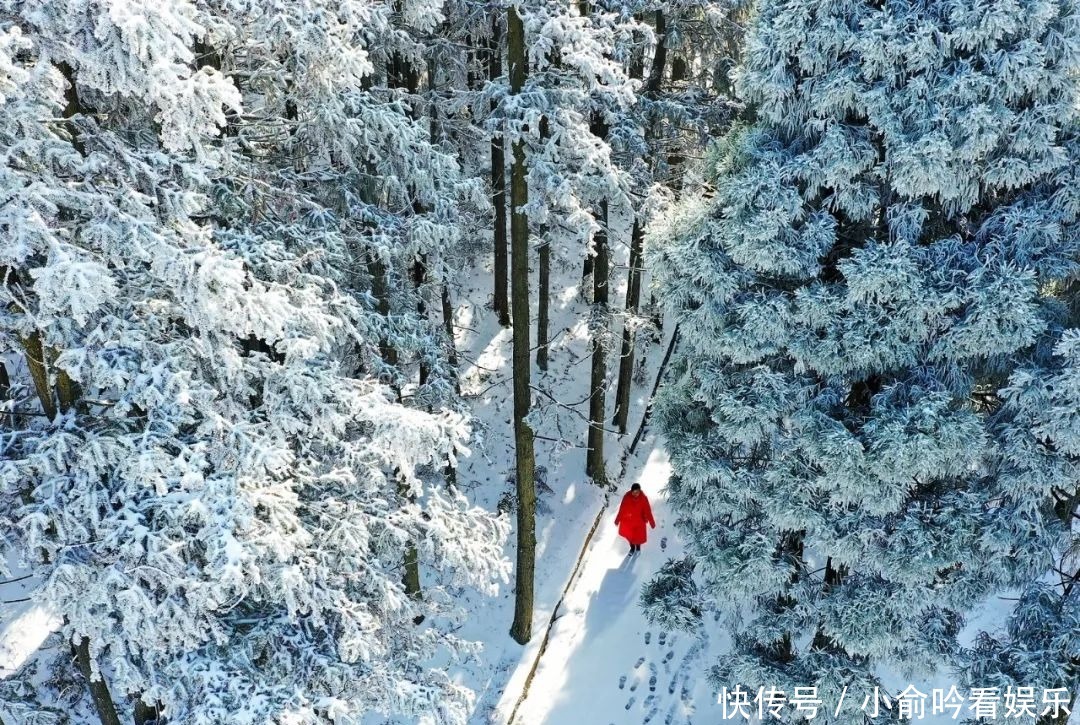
(604, 663)
(24, 623)
(568, 510)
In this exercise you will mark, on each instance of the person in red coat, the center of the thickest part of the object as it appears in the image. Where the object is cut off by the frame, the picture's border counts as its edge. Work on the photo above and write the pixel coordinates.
(634, 513)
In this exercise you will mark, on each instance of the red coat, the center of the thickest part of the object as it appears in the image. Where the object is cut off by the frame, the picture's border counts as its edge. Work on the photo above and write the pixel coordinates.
(634, 513)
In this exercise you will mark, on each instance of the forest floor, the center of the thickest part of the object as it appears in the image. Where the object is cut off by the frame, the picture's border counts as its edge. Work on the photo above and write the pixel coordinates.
(604, 663)
(569, 503)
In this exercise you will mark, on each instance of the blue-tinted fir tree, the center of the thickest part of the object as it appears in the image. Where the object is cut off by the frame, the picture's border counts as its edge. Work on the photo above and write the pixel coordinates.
(872, 414)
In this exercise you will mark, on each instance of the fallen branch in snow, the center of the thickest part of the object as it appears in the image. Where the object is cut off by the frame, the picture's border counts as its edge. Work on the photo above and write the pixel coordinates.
(16, 579)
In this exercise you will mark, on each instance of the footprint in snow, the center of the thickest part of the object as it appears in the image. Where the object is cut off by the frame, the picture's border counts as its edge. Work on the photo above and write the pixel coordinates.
(639, 663)
(672, 684)
(663, 543)
(649, 701)
(670, 654)
(650, 716)
(661, 639)
(633, 685)
(630, 703)
(648, 637)
(622, 682)
(652, 677)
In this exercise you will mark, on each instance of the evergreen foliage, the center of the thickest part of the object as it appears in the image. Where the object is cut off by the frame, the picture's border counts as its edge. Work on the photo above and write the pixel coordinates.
(874, 403)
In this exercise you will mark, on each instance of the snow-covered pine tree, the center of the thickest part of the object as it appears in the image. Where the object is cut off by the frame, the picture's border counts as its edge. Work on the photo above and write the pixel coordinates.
(199, 459)
(873, 409)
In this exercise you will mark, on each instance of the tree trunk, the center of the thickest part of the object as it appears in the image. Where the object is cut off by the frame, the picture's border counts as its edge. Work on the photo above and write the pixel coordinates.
(652, 88)
(419, 274)
(594, 459)
(498, 183)
(543, 285)
(146, 713)
(633, 274)
(411, 576)
(408, 77)
(679, 69)
(626, 352)
(544, 294)
(380, 290)
(521, 630)
(451, 354)
(594, 456)
(448, 328)
(99, 690)
(39, 372)
(38, 360)
(656, 71)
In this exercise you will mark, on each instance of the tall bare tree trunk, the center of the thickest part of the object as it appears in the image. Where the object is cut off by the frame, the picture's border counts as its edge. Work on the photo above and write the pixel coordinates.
(598, 323)
(594, 457)
(448, 328)
(521, 630)
(633, 275)
(498, 182)
(403, 74)
(626, 351)
(543, 285)
(451, 352)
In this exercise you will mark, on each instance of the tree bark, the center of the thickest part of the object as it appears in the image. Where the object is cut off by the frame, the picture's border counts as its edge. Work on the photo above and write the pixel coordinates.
(408, 77)
(543, 285)
(39, 372)
(99, 690)
(380, 290)
(146, 713)
(626, 351)
(656, 71)
(419, 275)
(498, 184)
(521, 630)
(594, 458)
(637, 234)
(448, 328)
(451, 354)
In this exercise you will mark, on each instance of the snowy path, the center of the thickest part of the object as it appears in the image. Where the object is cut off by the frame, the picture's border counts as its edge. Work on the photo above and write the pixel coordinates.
(604, 663)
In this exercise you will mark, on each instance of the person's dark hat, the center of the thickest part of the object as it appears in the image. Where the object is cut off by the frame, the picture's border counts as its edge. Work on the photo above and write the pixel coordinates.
(636, 487)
